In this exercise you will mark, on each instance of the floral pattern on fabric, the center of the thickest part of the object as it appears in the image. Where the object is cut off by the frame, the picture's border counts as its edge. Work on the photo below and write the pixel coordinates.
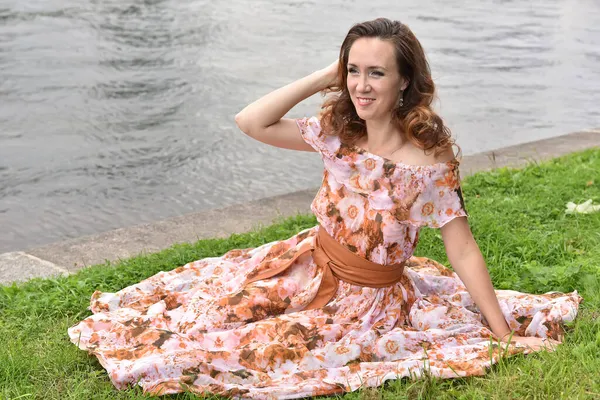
(375, 206)
(200, 328)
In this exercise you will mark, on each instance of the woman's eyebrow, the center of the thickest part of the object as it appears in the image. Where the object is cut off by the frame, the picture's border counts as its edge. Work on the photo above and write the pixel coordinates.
(371, 67)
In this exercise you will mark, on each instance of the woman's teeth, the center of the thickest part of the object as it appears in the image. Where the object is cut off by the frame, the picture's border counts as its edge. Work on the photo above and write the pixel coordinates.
(364, 101)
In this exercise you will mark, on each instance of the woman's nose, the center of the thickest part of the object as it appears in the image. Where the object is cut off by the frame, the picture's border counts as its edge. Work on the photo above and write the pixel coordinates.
(363, 84)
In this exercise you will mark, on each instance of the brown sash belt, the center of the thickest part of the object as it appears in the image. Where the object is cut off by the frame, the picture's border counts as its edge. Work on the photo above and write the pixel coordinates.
(338, 262)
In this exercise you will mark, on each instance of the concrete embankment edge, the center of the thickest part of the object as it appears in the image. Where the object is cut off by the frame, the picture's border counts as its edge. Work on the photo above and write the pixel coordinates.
(71, 255)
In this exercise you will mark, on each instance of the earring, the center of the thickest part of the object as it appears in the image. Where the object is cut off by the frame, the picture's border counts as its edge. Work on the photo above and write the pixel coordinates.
(401, 99)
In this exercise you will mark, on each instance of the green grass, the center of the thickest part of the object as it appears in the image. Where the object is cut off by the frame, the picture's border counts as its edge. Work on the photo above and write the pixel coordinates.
(517, 217)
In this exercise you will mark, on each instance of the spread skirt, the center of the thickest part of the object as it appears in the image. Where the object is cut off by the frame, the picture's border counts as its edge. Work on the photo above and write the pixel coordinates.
(203, 328)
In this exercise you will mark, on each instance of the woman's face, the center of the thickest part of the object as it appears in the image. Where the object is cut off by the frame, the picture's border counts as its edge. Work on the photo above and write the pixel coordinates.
(373, 79)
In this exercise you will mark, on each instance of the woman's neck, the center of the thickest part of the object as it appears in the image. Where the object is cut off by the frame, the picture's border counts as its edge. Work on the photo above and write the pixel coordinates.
(383, 136)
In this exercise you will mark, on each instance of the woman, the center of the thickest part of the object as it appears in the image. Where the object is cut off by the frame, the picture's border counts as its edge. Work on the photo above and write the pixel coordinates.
(343, 304)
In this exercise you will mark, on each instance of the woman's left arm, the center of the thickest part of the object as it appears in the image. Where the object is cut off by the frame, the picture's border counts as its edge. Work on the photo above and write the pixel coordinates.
(466, 259)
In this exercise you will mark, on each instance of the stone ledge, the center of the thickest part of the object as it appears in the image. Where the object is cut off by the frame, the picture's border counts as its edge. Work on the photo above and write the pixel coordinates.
(19, 266)
(522, 154)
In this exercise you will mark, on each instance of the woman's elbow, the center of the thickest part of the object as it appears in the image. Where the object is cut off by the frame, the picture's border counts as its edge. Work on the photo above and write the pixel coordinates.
(242, 123)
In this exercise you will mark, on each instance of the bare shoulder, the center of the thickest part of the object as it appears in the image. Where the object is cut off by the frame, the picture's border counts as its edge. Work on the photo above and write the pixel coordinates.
(445, 156)
(417, 156)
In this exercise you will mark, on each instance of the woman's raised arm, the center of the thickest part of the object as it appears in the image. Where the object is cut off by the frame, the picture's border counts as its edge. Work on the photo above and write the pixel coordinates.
(263, 119)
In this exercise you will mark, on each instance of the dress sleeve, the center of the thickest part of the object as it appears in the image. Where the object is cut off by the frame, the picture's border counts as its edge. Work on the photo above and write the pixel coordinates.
(441, 199)
(310, 129)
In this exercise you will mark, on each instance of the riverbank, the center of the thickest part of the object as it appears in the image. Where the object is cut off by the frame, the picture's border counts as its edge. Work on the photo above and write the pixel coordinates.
(517, 216)
(69, 256)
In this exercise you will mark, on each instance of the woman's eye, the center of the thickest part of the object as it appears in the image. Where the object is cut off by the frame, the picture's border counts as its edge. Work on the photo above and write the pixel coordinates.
(355, 71)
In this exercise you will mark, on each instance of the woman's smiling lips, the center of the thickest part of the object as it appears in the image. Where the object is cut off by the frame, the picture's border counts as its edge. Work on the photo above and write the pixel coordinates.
(364, 101)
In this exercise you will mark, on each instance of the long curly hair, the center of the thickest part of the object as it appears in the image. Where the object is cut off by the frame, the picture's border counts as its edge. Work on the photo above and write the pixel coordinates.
(416, 118)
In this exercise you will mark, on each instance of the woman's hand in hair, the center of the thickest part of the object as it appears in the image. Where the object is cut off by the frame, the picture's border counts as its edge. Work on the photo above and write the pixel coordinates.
(333, 79)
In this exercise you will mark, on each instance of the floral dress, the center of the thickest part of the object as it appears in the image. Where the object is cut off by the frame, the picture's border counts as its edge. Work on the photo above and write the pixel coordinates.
(201, 328)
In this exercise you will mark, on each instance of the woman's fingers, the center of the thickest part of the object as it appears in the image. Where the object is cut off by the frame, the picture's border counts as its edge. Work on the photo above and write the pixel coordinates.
(536, 343)
(332, 73)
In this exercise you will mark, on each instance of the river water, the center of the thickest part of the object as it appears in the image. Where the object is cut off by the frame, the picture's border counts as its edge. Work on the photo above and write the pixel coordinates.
(115, 113)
